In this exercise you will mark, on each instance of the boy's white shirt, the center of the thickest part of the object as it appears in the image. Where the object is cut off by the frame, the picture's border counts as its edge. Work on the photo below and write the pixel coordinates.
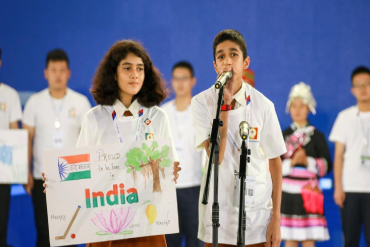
(268, 144)
(10, 106)
(347, 130)
(39, 113)
(184, 134)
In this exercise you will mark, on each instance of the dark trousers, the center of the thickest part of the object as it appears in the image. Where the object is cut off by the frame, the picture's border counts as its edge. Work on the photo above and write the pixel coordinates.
(187, 205)
(4, 212)
(41, 215)
(355, 213)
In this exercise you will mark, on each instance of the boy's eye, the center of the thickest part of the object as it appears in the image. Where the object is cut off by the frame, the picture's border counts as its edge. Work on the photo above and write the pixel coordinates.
(220, 57)
(234, 54)
(127, 68)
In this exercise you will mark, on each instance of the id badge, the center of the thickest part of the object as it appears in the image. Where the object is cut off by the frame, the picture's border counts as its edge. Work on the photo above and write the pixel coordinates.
(58, 139)
(250, 185)
(365, 159)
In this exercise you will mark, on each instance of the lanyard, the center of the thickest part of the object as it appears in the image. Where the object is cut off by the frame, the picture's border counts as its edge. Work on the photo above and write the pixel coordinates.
(115, 123)
(248, 116)
(365, 135)
(57, 111)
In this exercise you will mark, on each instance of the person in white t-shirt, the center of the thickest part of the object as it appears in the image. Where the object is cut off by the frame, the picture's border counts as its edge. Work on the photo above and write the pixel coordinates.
(53, 118)
(128, 89)
(183, 130)
(241, 103)
(10, 115)
(351, 134)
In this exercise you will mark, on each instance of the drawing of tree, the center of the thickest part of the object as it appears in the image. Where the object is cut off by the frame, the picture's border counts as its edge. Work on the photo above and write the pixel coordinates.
(149, 161)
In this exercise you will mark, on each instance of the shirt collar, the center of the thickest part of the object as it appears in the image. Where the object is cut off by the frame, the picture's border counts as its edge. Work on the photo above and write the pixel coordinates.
(121, 108)
(239, 97)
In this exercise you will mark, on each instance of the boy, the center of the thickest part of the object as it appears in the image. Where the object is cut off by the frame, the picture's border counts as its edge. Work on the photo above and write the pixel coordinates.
(351, 161)
(242, 103)
(53, 118)
(183, 131)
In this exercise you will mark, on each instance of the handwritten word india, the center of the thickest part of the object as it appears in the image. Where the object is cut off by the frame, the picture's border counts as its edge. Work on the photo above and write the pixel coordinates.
(112, 197)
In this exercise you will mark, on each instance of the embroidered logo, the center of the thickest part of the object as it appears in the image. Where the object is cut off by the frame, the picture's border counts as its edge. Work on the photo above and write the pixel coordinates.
(147, 121)
(253, 133)
(149, 136)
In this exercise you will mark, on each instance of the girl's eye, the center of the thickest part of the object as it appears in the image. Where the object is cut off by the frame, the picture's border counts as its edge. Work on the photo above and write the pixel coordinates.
(140, 69)
(127, 68)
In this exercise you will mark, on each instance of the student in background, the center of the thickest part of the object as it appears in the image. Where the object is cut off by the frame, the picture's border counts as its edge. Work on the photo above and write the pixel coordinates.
(307, 159)
(351, 134)
(183, 131)
(10, 115)
(53, 118)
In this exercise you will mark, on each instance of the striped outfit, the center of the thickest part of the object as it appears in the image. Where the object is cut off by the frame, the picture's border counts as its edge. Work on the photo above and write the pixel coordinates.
(302, 209)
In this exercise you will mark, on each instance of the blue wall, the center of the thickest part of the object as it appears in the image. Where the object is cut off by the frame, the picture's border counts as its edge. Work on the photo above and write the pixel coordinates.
(319, 42)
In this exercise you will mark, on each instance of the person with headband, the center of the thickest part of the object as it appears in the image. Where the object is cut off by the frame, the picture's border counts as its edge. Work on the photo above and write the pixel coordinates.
(307, 159)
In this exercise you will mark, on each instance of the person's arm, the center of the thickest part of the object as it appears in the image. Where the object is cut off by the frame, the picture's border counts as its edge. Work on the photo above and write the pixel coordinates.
(273, 235)
(339, 195)
(13, 125)
(31, 132)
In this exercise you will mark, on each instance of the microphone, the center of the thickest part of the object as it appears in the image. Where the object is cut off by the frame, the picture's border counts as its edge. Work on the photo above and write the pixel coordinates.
(244, 130)
(223, 78)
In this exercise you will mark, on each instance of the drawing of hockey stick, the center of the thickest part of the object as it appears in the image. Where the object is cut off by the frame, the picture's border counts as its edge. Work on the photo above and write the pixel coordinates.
(69, 226)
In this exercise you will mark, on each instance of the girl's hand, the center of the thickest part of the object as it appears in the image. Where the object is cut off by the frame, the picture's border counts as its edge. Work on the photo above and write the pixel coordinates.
(44, 179)
(176, 169)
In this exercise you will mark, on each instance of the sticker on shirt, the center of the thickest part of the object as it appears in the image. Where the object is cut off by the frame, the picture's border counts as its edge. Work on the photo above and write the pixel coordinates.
(58, 139)
(147, 121)
(250, 186)
(365, 159)
(72, 112)
(3, 106)
(149, 136)
(253, 134)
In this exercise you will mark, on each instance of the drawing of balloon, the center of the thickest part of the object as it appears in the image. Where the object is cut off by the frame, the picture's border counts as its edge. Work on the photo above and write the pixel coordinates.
(114, 221)
(151, 213)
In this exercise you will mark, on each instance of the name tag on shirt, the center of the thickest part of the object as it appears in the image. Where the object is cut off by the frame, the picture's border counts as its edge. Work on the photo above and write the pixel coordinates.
(250, 185)
(58, 139)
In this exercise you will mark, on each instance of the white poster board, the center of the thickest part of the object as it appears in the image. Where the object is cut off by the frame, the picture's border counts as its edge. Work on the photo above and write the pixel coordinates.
(13, 156)
(110, 192)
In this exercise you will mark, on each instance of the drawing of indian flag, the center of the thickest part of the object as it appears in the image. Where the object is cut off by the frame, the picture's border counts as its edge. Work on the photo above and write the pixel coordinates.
(74, 167)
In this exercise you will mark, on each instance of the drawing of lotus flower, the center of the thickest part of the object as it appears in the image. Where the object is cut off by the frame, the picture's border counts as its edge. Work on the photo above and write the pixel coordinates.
(114, 221)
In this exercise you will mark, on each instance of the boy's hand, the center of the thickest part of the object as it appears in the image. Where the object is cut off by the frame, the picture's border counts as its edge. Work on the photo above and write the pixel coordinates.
(273, 235)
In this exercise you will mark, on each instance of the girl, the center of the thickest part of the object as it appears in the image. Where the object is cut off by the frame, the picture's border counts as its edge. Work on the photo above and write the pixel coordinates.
(128, 84)
(307, 159)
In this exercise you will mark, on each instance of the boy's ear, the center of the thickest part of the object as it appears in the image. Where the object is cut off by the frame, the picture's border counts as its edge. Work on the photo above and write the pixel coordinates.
(247, 61)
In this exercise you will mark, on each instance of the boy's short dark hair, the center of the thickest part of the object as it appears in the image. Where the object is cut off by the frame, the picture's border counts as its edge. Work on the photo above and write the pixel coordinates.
(360, 70)
(232, 35)
(184, 64)
(57, 55)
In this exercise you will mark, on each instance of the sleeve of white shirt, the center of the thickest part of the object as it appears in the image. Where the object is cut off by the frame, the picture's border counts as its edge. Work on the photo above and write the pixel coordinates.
(29, 113)
(16, 109)
(167, 133)
(86, 106)
(338, 131)
(88, 131)
(272, 139)
(201, 121)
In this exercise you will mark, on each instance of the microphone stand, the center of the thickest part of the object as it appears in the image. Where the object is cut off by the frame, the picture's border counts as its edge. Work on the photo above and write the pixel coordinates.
(215, 150)
(244, 159)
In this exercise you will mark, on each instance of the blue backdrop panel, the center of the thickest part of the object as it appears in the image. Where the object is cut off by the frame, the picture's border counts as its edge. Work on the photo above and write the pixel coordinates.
(318, 42)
